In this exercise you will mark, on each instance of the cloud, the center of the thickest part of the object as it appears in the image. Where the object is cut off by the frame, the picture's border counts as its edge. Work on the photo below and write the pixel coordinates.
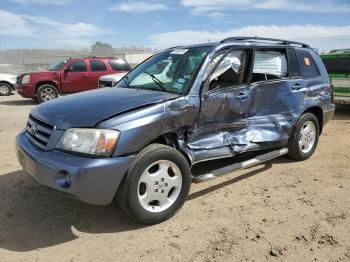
(206, 7)
(41, 27)
(46, 2)
(14, 25)
(138, 7)
(323, 37)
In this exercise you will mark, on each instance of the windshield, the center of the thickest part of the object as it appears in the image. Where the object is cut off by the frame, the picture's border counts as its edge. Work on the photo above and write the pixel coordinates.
(171, 71)
(57, 66)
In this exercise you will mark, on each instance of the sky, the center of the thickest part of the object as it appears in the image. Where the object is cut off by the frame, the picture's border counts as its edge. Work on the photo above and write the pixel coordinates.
(75, 24)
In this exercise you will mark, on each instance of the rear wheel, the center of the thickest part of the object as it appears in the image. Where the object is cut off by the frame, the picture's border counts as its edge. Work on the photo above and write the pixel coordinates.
(156, 185)
(46, 93)
(5, 89)
(304, 139)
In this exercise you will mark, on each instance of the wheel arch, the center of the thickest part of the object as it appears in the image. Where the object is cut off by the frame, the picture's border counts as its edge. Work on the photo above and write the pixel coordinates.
(6, 82)
(46, 82)
(170, 139)
(318, 112)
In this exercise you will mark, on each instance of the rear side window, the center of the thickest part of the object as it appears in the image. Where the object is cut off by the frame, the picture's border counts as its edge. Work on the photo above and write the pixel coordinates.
(97, 66)
(269, 65)
(119, 65)
(307, 65)
(78, 66)
(293, 63)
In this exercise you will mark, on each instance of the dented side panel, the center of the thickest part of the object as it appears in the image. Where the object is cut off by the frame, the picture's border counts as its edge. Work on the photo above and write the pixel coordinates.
(224, 122)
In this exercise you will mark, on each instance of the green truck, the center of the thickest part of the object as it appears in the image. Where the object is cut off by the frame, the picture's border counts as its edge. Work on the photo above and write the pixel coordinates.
(337, 63)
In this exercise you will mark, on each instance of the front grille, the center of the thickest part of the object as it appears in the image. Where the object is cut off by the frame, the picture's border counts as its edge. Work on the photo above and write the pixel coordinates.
(38, 131)
(102, 84)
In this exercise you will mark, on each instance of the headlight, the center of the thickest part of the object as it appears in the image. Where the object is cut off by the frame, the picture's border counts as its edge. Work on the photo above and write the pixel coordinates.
(100, 142)
(14, 78)
(25, 79)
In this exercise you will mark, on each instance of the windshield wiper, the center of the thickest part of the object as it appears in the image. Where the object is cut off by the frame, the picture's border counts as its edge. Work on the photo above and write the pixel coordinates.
(157, 81)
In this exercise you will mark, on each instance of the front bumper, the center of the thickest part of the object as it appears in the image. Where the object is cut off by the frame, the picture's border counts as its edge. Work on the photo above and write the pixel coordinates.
(26, 90)
(91, 180)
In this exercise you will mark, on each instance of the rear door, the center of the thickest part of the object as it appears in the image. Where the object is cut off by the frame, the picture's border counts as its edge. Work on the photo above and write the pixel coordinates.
(97, 69)
(278, 96)
(75, 78)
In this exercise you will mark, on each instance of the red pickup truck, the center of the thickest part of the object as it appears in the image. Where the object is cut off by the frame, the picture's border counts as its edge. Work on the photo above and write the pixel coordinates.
(68, 76)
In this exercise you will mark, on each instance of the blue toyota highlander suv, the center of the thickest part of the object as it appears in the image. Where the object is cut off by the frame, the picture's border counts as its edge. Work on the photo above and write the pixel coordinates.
(245, 99)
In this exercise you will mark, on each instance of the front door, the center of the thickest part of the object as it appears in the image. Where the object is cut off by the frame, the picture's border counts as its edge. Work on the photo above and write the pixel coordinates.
(225, 103)
(75, 78)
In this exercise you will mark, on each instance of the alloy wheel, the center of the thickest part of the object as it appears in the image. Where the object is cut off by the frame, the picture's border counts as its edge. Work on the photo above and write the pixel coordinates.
(159, 186)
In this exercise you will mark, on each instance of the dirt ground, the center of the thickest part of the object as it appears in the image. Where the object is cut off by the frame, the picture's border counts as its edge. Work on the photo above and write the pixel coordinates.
(279, 211)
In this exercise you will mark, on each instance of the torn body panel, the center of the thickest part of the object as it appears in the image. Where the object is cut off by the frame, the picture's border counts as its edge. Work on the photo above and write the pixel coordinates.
(253, 117)
(225, 122)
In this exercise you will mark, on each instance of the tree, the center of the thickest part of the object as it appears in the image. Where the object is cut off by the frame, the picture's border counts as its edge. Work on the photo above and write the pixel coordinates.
(101, 48)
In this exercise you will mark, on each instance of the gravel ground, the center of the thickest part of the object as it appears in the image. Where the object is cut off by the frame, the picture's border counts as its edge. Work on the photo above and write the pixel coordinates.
(279, 211)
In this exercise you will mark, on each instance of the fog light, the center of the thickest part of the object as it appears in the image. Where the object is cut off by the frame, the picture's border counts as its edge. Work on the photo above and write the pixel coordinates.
(63, 179)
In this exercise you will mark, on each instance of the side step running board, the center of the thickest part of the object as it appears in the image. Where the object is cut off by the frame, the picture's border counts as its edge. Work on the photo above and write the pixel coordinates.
(240, 165)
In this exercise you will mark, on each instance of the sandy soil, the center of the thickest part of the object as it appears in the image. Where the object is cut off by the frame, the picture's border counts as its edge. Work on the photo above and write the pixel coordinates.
(279, 211)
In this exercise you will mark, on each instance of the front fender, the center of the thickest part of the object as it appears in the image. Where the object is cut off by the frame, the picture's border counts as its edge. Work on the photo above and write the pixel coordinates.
(138, 128)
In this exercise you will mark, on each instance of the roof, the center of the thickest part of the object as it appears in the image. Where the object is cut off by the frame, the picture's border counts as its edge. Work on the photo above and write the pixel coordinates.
(93, 57)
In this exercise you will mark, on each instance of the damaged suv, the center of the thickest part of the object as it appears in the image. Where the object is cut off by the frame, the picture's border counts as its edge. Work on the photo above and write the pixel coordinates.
(244, 99)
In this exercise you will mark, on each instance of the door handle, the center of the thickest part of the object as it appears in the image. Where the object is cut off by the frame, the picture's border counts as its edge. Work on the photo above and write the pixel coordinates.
(84, 76)
(241, 96)
(297, 86)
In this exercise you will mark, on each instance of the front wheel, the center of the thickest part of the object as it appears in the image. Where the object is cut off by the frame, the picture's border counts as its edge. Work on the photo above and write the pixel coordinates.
(304, 138)
(156, 185)
(46, 93)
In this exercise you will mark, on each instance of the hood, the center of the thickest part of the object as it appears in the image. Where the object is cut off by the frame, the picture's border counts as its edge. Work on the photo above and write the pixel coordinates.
(8, 78)
(38, 73)
(6, 75)
(113, 77)
(86, 109)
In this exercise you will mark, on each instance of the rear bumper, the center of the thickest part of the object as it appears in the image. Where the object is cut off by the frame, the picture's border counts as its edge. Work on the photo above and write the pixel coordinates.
(328, 113)
(91, 180)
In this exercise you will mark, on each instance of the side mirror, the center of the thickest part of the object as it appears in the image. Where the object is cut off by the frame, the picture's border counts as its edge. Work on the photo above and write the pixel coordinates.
(67, 69)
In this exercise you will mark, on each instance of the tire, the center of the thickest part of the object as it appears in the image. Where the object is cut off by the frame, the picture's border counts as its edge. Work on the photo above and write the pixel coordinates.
(46, 93)
(5, 89)
(153, 199)
(304, 138)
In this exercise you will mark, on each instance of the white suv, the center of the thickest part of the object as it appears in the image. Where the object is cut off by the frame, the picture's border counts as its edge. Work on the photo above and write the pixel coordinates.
(7, 84)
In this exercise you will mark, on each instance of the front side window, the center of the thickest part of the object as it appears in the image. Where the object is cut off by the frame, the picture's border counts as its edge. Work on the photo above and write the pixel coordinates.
(77, 66)
(307, 65)
(171, 71)
(97, 66)
(269, 65)
(230, 71)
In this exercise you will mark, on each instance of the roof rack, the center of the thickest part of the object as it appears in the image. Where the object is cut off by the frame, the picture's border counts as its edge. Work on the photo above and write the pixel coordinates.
(257, 39)
(96, 56)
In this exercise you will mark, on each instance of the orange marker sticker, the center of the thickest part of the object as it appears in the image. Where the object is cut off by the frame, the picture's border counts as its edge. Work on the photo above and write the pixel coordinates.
(307, 61)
